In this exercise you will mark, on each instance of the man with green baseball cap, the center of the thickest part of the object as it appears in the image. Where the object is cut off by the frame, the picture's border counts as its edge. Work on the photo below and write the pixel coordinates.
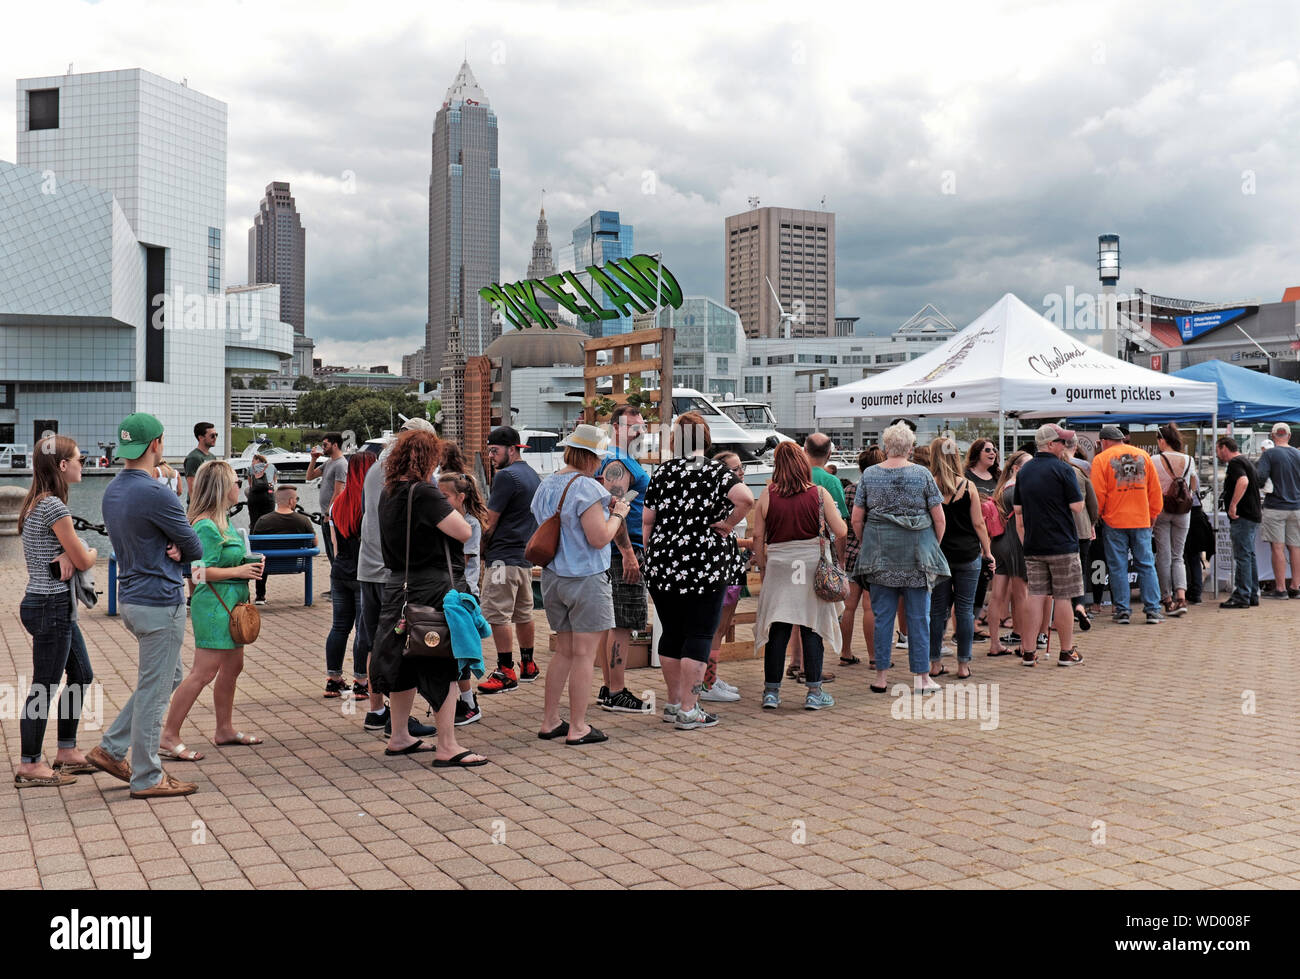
(151, 537)
(135, 434)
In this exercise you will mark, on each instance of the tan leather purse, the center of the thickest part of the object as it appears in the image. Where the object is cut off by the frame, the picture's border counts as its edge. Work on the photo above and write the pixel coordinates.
(245, 620)
(546, 538)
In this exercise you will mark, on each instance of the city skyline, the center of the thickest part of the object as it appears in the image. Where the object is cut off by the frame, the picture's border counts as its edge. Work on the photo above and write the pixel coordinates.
(978, 152)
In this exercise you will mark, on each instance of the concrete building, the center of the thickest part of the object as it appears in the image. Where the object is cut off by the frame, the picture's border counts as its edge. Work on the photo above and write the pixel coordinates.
(277, 252)
(788, 375)
(795, 251)
(413, 365)
(541, 264)
(247, 404)
(464, 221)
(111, 225)
(598, 239)
(540, 371)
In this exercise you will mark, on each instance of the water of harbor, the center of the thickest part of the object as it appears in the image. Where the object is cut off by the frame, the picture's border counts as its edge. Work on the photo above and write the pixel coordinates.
(85, 497)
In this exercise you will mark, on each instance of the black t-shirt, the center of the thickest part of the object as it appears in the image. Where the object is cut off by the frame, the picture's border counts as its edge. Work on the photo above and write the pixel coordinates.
(1045, 488)
(427, 555)
(1248, 507)
(511, 497)
(283, 523)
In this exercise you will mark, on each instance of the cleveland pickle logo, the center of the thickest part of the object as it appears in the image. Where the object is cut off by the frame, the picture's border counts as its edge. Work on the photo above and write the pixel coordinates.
(630, 285)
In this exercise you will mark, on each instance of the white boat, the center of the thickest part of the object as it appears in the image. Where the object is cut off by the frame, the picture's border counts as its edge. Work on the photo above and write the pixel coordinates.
(290, 466)
(724, 429)
(756, 418)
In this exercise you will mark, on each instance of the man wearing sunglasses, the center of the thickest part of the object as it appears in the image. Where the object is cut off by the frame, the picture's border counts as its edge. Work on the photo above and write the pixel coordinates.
(629, 590)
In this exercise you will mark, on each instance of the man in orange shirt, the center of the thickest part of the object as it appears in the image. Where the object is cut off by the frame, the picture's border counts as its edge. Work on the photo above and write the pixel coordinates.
(1128, 501)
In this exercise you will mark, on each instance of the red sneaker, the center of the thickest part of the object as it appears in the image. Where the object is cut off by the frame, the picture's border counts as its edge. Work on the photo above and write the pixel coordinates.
(528, 672)
(502, 678)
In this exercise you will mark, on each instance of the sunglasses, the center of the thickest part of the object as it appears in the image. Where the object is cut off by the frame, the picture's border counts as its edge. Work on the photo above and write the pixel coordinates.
(737, 469)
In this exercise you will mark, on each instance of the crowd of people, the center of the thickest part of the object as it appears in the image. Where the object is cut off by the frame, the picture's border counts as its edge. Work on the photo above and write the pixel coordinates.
(929, 544)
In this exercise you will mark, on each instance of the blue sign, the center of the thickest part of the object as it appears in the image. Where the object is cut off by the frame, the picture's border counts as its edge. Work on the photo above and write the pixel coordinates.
(1198, 324)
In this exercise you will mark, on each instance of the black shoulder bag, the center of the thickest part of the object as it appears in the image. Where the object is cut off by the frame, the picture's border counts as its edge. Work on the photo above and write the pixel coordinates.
(426, 628)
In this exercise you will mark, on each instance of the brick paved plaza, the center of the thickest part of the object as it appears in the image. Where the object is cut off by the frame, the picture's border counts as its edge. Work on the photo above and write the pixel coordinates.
(1140, 769)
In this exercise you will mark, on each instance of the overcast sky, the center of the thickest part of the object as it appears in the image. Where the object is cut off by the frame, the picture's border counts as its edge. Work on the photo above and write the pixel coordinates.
(967, 149)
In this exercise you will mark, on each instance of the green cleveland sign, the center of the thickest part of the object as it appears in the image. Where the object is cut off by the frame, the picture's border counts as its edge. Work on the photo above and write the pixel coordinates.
(629, 285)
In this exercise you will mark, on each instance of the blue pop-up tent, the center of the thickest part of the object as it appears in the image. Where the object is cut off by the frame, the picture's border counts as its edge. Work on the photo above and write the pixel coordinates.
(1244, 396)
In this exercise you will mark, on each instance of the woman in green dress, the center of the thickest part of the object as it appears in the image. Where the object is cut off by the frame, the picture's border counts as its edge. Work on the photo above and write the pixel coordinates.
(223, 572)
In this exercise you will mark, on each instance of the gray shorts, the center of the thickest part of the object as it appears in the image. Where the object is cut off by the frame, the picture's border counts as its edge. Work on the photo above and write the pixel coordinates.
(577, 604)
(1281, 527)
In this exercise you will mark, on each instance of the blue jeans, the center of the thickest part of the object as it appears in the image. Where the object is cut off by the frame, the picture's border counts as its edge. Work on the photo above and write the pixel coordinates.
(57, 647)
(884, 604)
(961, 586)
(1245, 570)
(778, 640)
(160, 630)
(1119, 540)
(346, 598)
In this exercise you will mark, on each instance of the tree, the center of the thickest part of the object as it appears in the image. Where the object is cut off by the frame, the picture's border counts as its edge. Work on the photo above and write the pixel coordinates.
(258, 383)
(337, 409)
(236, 383)
(304, 383)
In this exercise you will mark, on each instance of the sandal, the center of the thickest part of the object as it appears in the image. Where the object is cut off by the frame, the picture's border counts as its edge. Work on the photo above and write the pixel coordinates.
(1004, 651)
(964, 676)
(458, 761)
(794, 672)
(240, 738)
(180, 753)
(851, 661)
(943, 671)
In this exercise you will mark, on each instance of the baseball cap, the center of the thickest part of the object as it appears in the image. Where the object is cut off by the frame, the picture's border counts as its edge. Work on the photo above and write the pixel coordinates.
(1047, 434)
(417, 425)
(135, 433)
(507, 436)
(1112, 432)
(1281, 428)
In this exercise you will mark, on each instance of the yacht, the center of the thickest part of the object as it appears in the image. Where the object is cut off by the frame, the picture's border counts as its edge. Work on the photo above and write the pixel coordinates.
(291, 466)
(756, 418)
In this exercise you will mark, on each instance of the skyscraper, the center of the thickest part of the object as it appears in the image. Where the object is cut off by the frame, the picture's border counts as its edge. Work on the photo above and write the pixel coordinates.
(464, 221)
(542, 264)
(793, 249)
(598, 239)
(277, 249)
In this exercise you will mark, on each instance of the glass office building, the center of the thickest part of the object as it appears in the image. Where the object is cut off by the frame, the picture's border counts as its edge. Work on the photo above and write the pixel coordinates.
(464, 221)
(708, 345)
(600, 238)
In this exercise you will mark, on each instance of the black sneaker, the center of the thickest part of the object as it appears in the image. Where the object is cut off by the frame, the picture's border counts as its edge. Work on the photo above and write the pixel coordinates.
(624, 702)
(1011, 639)
(1234, 603)
(1120, 618)
(602, 697)
(1277, 593)
(1042, 640)
(413, 727)
(334, 688)
(1293, 593)
(1254, 602)
(1029, 657)
(377, 720)
(465, 714)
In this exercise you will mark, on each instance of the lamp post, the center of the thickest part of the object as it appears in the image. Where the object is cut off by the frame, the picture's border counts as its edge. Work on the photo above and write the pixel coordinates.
(1108, 272)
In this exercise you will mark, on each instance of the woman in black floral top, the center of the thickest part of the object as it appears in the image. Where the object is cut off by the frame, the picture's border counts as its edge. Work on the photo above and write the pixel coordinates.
(691, 508)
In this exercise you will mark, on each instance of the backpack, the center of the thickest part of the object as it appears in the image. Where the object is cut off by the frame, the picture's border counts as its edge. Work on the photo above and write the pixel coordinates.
(992, 518)
(1179, 498)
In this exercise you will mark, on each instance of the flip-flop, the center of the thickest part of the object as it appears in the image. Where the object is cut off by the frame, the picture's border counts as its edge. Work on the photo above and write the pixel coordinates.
(74, 767)
(180, 753)
(943, 671)
(1001, 652)
(459, 761)
(876, 689)
(594, 736)
(1081, 617)
(36, 781)
(980, 636)
(968, 675)
(559, 731)
(414, 748)
(851, 661)
(247, 740)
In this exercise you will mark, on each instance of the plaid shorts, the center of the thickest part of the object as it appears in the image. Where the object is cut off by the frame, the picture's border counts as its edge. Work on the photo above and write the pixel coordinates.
(630, 611)
(1058, 575)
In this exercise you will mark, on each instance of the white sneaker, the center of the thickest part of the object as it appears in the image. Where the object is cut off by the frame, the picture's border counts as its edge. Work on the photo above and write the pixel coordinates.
(900, 642)
(724, 685)
(716, 694)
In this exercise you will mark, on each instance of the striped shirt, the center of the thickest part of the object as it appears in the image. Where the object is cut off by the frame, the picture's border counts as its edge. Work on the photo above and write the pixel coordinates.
(40, 545)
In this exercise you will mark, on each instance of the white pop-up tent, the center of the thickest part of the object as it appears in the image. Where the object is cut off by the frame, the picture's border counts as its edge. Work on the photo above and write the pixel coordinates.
(1013, 361)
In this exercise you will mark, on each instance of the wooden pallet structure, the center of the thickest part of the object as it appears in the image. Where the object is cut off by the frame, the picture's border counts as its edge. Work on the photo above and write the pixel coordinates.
(629, 360)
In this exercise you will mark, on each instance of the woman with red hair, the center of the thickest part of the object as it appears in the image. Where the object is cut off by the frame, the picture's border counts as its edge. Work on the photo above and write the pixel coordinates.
(345, 590)
(787, 527)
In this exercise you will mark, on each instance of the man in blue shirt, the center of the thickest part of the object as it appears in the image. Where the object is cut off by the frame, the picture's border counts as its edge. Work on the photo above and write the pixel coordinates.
(1281, 523)
(1046, 498)
(620, 469)
(150, 538)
